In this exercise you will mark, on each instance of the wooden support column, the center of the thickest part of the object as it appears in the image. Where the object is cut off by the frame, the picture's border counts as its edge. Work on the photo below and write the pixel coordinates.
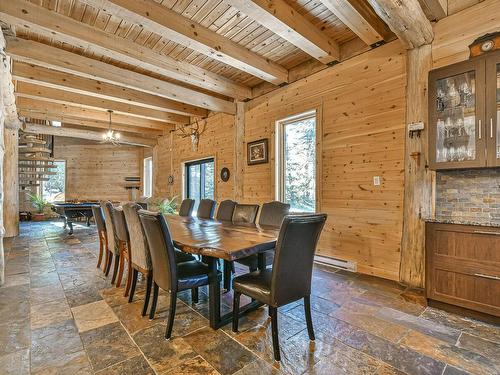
(418, 178)
(11, 183)
(239, 150)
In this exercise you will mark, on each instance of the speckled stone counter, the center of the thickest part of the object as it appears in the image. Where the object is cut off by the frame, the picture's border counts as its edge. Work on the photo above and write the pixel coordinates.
(462, 222)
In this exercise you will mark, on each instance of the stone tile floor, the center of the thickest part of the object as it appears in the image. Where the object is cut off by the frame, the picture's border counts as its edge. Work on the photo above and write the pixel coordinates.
(60, 315)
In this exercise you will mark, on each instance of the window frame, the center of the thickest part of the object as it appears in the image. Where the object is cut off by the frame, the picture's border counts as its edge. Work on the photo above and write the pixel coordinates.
(187, 164)
(280, 157)
(144, 161)
(41, 187)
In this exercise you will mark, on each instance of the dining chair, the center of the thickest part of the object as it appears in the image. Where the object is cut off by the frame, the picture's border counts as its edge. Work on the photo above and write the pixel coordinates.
(245, 213)
(122, 238)
(187, 207)
(242, 214)
(101, 233)
(167, 274)
(290, 277)
(206, 209)
(107, 207)
(226, 209)
(139, 251)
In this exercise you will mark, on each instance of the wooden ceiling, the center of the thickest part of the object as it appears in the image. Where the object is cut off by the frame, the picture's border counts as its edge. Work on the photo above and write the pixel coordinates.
(158, 63)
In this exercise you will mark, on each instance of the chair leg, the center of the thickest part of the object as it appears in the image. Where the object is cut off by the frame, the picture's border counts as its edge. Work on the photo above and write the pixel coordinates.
(236, 311)
(115, 268)
(107, 262)
(155, 300)
(227, 275)
(274, 328)
(194, 295)
(101, 251)
(133, 283)
(307, 310)
(149, 281)
(171, 315)
(120, 272)
(129, 277)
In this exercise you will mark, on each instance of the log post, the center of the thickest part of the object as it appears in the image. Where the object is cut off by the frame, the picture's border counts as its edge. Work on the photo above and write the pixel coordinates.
(418, 178)
(11, 183)
(239, 150)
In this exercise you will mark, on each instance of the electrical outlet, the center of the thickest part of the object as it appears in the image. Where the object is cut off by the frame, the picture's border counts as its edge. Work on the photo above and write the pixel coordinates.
(376, 180)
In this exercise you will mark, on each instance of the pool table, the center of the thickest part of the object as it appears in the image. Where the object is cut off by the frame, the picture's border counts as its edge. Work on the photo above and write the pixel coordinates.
(70, 211)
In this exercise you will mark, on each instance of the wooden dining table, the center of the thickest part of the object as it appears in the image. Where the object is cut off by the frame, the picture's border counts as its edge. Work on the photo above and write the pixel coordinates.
(216, 240)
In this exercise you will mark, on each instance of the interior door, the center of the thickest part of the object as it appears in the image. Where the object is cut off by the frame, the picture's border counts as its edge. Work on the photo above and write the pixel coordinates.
(493, 109)
(456, 116)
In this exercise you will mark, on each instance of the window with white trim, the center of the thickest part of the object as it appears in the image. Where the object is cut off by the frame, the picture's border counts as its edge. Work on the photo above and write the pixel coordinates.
(148, 177)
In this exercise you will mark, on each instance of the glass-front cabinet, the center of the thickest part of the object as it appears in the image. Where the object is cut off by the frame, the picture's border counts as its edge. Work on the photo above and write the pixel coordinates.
(493, 109)
(464, 114)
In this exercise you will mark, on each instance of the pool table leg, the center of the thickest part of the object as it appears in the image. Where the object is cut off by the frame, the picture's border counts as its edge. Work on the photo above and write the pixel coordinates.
(70, 225)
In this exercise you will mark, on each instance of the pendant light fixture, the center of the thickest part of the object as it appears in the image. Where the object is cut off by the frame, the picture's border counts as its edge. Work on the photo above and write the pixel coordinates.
(110, 136)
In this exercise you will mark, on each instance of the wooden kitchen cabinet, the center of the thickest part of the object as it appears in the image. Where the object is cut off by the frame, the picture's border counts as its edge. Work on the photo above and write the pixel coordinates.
(463, 266)
(464, 114)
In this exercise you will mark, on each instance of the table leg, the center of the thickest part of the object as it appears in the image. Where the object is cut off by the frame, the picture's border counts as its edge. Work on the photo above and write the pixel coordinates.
(70, 225)
(213, 293)
(261, 260)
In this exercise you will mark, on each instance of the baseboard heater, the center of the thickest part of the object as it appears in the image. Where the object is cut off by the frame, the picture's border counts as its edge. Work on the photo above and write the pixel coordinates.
(339, 263)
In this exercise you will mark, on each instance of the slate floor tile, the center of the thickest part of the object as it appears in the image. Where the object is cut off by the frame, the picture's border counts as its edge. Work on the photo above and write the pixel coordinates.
(17, 363)
(133, 366)
(93, 315)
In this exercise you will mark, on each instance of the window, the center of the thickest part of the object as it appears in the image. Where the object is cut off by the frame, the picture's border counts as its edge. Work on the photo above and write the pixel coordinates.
(297, 162)
(199, 180)
(53, 189)
(147, 189)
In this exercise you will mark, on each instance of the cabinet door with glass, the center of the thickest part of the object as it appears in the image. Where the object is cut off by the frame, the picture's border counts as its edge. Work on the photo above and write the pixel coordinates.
(456, 116)
(493, 109)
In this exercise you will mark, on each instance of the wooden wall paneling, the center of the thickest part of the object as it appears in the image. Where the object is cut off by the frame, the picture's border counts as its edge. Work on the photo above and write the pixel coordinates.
(11, 183)
(96, 171)
(239, 151)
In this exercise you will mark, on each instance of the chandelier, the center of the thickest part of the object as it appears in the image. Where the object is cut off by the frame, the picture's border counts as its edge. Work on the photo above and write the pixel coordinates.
(110, 136)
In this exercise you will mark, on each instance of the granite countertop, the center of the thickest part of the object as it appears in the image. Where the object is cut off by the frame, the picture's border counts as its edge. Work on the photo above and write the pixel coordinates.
(447, 220)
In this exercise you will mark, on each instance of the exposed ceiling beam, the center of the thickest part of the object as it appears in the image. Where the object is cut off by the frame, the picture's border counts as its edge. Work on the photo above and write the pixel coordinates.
(406, 19)
(65, 29)
(40, 106)
(84, 134)
(179, 29)
(7, 90)
(434, 9)
(39, 92)
(55, 58)
(85, 86)
(283, 20)
(86, 123)
(357, 16)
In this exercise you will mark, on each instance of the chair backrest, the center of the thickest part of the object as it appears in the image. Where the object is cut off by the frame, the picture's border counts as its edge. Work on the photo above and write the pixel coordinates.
(121, 231)
(294, 256)
(99, 218)
(137, 239)
(162, 249)
(206, 209)
(272, 213)
(107, 207)
(226, 209)
(245, 213)
(186, 208)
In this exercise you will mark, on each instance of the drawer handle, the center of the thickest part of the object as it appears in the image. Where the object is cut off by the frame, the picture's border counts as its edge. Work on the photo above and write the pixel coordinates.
(487, 232)
(487, 276)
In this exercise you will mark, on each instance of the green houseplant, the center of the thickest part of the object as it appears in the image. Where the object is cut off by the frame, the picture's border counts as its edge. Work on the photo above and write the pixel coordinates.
(165, 206)
(40, 204)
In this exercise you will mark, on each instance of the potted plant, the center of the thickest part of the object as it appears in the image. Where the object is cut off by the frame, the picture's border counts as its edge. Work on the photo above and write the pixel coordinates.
(40, 204)
(165, 206)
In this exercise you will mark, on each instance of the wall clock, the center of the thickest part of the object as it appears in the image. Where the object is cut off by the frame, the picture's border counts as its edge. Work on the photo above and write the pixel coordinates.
(170, 180)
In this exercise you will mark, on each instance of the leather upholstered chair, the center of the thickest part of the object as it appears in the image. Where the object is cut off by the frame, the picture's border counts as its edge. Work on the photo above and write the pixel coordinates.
(101, 232)
(206, 209)
(242, 214)
(187, 207)
(226, 209)
(122, 238)
(112, 251)
(245, 213)
(167, 274)
(139, 251)
(290, 278)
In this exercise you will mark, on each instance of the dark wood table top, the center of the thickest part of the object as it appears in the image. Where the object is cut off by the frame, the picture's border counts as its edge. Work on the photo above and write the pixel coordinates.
(217, 239)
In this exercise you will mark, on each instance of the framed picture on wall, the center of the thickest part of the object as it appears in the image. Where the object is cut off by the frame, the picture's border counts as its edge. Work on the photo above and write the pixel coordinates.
(257, 152)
